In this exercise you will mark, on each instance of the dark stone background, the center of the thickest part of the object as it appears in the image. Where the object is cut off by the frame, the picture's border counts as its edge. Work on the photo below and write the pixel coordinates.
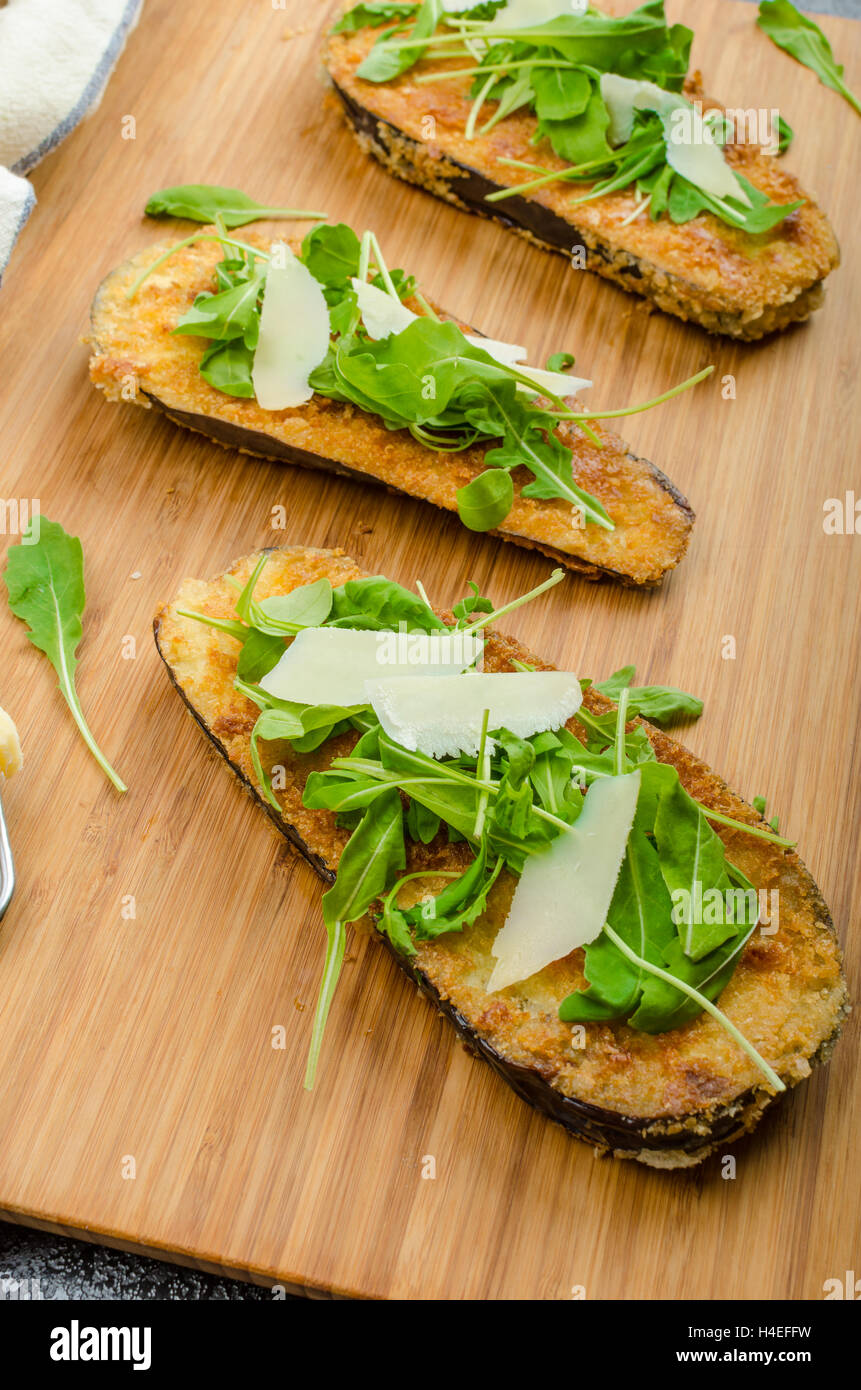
(76, 1269)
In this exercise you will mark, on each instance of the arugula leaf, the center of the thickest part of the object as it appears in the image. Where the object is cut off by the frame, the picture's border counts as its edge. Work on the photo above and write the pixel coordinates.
(204, 202)
(663, 1007)
(686, 201)
(703, 955)
(668, 66)
(805, 41)
(511, 811)
(374, 852)
(458, 905)
(528, 439)
(45, 585)
(309, 605)
(560, 93)
(560, 361)
(692, 860)
(227, 366)
(581, 139)
(662, 704)
(486, 501)
(785, 135)
(260, 652)
(332, 254)
(551, 773)
(305, 727)
(232, 313)
(372, 14)
(335, 791)
(283, 615)
(641, 912)
(383, 63)
(473, 603)
(381, 605)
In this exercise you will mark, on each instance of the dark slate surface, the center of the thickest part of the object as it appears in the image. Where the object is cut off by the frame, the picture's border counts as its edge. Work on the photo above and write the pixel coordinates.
(35, 1265)
(66, 1268)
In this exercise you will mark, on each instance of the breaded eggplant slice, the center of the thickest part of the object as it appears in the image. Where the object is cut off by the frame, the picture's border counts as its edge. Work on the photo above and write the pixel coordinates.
(135, 356)
(715, 275)
(667, 1100)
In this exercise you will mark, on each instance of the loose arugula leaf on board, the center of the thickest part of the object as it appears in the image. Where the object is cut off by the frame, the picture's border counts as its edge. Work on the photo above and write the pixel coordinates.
(662, 704)
(204, 202)
(45, 584)
(805, 41)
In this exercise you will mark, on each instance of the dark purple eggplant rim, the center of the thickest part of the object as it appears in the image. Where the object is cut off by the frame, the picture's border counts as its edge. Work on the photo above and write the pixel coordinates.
(547, 228)
(232, 436)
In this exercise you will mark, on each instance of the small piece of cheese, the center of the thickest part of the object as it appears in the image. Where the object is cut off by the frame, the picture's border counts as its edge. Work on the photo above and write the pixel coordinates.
(10, 746)
(692, 150)
(382, 315)
(563, 895)
(294, 332)
(443, 717)
(331, 665)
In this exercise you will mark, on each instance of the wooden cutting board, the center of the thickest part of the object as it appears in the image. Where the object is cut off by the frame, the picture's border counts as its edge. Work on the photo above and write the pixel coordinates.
(149, 1038)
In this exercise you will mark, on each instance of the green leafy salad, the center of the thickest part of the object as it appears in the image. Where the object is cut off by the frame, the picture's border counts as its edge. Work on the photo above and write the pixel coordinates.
(363, 345)
(519, 799)
(606, 93)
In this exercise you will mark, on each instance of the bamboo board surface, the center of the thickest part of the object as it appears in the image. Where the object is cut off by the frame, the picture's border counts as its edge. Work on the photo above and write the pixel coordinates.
(151, 1037)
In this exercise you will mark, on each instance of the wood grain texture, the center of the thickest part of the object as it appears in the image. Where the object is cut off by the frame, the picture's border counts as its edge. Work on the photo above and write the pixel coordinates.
(151, 1037)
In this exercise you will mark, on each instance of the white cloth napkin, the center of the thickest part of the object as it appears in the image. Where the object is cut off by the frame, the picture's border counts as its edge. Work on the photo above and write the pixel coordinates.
(55, 60)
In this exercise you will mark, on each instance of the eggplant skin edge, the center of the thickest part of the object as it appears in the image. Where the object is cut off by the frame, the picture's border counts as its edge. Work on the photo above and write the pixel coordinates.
(673, 1142)
(455, 182)
(231, 437)
(120, 348)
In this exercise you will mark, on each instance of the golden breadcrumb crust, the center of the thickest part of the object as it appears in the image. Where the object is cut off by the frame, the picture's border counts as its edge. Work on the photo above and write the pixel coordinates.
(719, 276)
(136, 357)
(787, 994)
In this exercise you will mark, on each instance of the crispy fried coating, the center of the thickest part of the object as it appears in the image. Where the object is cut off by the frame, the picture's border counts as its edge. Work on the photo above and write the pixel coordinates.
(664, 1099)
(705, 271)
(135, 356)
